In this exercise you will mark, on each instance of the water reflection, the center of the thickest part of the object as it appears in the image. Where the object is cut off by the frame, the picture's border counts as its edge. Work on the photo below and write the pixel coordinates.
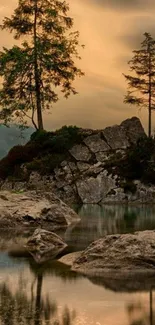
(98, 221)
(19, 307)
(139, 315)
(51, 294)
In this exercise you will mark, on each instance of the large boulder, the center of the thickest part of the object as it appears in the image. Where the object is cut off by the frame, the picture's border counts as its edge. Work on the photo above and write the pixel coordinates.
(33, 209)
(134, 129)
(116, 137)
(119, 254)
(94, 189)
(80, 152)
(96, 144)
(44, 245)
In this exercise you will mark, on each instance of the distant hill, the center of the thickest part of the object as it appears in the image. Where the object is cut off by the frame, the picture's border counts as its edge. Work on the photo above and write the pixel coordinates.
(12, 136)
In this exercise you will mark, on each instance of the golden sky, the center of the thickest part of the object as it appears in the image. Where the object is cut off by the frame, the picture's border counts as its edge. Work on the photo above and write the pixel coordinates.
(110, 30)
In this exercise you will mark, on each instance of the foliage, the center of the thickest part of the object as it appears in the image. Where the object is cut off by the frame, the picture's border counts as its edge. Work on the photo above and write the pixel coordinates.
(44, 62)
(141, 83)
(44, 152)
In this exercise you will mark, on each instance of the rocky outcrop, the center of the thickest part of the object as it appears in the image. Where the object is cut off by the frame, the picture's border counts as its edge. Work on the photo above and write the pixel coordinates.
(44, 245)
(119, 254)
(86, 176)
(31, 209)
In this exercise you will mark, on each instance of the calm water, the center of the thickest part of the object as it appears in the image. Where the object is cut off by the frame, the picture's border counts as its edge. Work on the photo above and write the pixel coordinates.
(51, 294)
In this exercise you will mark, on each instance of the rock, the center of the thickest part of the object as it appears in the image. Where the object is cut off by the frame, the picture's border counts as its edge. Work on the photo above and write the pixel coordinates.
(116, 195)
(134, 129)
(116, 254)
(80, 153)
(44, 245)
(101, 156)
(83, 166)
(116, 137)
(96, 144)
(69, 259)
(33, 209)
(93, 190)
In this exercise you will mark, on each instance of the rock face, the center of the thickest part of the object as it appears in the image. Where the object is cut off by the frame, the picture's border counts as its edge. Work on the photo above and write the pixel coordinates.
(134, 129)
(116, 136)
(33, 209)
(116, 254)
(93, 190)
(96, 144)
(80, 153)
(44, 245)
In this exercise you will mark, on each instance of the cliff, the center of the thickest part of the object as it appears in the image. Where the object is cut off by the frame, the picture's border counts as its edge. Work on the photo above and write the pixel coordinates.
(115, 164)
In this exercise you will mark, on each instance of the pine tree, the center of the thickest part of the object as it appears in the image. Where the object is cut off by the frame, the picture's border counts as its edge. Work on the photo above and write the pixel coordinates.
(45, 61)
(142, 83)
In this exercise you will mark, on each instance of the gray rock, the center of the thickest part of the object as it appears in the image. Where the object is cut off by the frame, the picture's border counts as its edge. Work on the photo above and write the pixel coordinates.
(33, 209)
(44, 245)
(101, 156)
(80, 153)
(134, 129)
(116, 137)
(119, 254)
(83, 166)
(96, 144)
(93, 190)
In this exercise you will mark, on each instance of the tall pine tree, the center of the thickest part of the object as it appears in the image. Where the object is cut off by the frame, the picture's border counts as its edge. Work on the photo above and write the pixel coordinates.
(141, 83)
(45, 60)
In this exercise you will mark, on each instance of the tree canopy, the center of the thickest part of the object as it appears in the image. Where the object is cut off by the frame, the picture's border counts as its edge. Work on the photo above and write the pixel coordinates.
(45, 61)
(141, 84)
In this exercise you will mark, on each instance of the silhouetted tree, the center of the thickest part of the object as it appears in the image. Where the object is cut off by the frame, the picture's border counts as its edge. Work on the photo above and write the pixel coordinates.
(44, 61)
(142, 83)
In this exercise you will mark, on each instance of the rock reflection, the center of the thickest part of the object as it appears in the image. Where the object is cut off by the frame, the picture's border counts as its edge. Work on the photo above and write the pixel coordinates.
(98, 221)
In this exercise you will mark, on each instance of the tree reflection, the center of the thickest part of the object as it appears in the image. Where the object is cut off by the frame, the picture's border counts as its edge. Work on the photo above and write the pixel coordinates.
(22, 308)
(139, 315)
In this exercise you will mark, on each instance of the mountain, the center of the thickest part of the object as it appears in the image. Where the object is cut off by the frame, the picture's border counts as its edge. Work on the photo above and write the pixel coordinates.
(12, 136)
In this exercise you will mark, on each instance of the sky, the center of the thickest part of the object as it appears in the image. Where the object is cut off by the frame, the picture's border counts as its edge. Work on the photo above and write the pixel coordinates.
(110, 30)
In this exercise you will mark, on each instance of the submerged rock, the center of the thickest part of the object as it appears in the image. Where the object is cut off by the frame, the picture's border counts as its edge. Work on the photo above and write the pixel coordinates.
(33, 209)
(44, 245)
(70, 258)
(119, 254)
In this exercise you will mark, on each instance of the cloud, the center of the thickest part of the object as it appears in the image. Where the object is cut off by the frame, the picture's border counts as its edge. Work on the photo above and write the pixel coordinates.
(125, 4)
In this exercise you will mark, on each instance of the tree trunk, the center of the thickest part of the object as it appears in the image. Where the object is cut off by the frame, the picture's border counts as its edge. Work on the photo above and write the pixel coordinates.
(38, 300)
(150, 94)
(37, 74)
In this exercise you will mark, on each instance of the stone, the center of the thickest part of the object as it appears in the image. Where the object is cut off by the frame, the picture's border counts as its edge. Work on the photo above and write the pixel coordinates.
(72, 166)
(118, 254)
(83, 166)
(94, 169)
(80, 152)
(116, 137)
(134, 129)
(70, 258)
(93, 190)
(96, 144)
(34, 208)
(101, 156)
(44, 245)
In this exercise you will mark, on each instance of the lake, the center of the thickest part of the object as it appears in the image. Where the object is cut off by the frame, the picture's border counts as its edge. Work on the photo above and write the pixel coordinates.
(51, 294)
